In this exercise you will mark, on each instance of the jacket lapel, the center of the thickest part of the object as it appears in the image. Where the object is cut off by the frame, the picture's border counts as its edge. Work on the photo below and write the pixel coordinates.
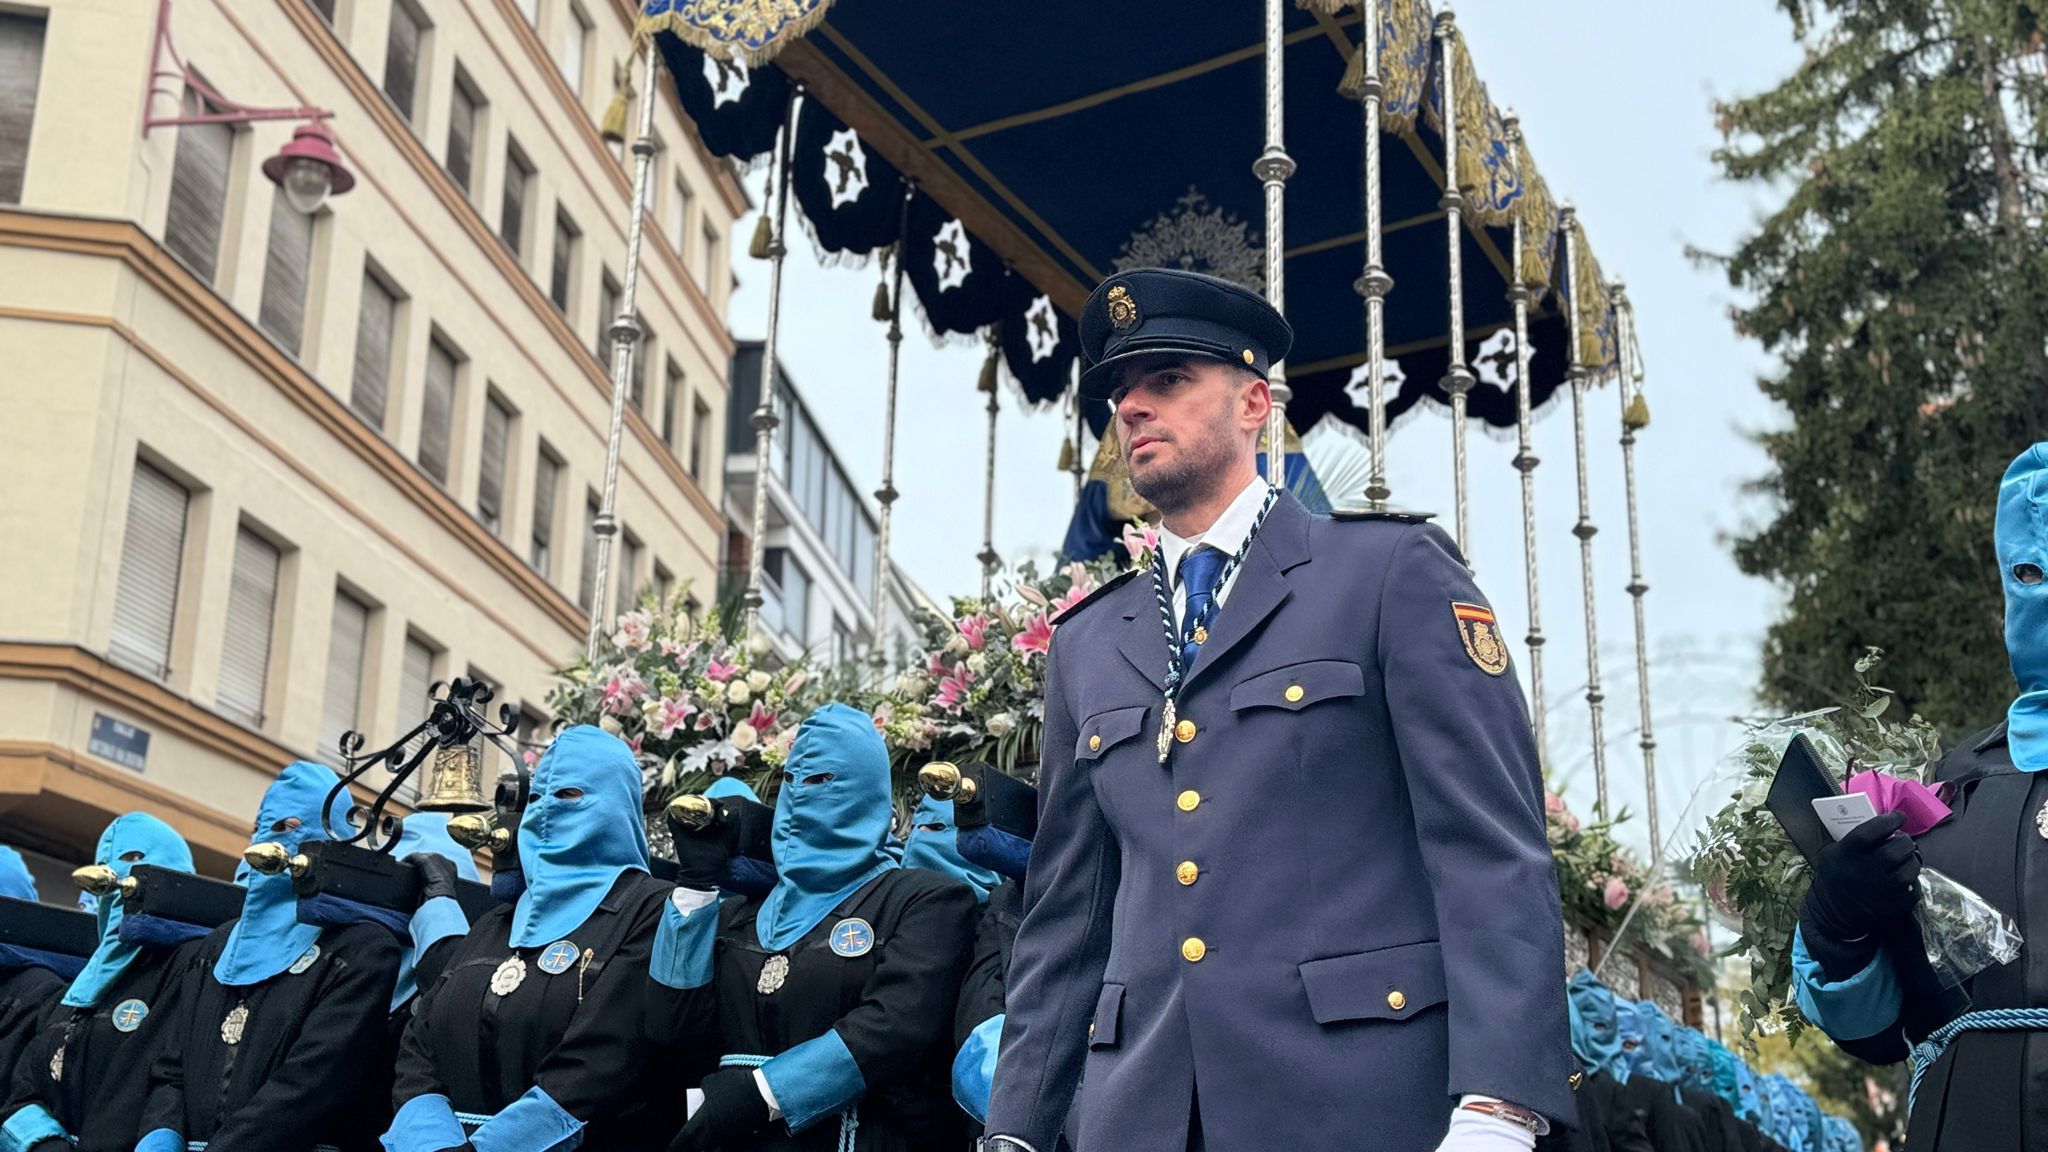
(1143, 641)
(1260, 586)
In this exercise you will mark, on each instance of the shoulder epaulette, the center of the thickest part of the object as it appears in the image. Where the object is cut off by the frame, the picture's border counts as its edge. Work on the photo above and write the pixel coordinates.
(1391, 514)
(1114, 583)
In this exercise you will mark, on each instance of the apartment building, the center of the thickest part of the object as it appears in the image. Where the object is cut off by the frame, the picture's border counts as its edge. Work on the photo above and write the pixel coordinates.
(266, 476)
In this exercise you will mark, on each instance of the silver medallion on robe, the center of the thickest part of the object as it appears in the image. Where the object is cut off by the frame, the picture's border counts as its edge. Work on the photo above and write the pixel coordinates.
(773, 973)
(2041, 821)
(509, 976)
(237, 1022)
(305, 960)
(57, 1064)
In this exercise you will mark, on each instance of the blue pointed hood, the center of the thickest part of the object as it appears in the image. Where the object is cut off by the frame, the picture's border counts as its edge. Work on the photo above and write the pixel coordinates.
(269, 938)
(1752, 1104)
(1727, 1074)
(425, 832)
(832, 817)
(1841, 1135)
(731, 786)
(2021, 530)
(573, 848)
(1695, 1059)
(137, 838)
(1596, 1030)
(934, 843)
(1658, 1054)
(15, 880)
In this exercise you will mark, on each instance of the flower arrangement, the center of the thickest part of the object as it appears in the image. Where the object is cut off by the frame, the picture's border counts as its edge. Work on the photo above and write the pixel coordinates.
(1605, 889)
(1752, 873)
(693, 701)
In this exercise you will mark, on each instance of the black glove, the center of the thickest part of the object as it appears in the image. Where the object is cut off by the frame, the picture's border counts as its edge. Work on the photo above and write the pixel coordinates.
(437, 875)
(1863, 885)
(702, 854)
(733, 1114)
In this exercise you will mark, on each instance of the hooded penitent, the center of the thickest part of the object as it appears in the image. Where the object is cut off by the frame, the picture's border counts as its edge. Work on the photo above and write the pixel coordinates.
(582, 830)
(1658, 1055)
(832, 820)
(2022, 541)
(137, 838)
(1596, 1029)
(1727, 1074)
(269, 938)
(1695, 1060)
(425, 832)
(934, 843)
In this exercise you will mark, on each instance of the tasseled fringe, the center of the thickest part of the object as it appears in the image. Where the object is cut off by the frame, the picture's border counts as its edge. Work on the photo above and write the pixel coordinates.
(764, 232)
(612, 129)
(988, 369)
(881, 311)
(1637, 417)
(1352, 86)
(1066, 454)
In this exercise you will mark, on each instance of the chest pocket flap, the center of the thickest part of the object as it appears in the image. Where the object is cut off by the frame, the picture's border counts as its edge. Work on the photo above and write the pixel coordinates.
(1106, 730)
(1299, 685)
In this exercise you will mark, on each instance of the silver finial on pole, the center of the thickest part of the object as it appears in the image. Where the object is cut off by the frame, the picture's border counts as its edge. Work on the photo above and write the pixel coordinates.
(1273, 167)
(1458, 380)
(1519, 293)
(764, 418)
(1374, 283)
(1581, 379)
(1635, 414)
(625, 333)
(885, 496)
(988, 557)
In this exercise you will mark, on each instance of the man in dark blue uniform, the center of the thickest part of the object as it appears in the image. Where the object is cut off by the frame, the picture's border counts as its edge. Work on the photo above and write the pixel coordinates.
(1290, 886)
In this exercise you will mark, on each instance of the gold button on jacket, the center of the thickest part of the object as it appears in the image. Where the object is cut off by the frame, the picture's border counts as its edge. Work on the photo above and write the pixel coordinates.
(1095, 742)
(1189, 800)
(1396, 1000)
(1192, 950)
(1187, 873)
(1184, 731)
(1294, 693)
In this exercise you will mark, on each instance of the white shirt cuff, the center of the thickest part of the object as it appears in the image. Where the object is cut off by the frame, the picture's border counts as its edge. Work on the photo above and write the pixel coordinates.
(688, 900)
(767, 1094)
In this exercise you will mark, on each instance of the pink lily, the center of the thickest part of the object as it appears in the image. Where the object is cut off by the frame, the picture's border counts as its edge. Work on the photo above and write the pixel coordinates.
(621, 691)
(1035, 636)
(975, 629)
(633, 633)
(675, 713)
(761, 718)
(1140, 540)
(952, 692)
(719, 671)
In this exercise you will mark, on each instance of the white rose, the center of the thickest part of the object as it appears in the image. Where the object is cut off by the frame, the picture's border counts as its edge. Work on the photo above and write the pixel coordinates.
(957, 646)
(978, 663)
(715, 692)
(744, 737)
(758, 681)
(758, 645)
(737, 692)
(1752, 795)
(1001, 724)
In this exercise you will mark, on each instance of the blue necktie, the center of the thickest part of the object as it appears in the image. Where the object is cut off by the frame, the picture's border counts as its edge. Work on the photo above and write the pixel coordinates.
(1198, 572)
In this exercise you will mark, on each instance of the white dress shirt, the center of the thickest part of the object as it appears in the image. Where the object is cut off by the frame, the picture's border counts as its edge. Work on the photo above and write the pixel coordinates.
(1226, 535)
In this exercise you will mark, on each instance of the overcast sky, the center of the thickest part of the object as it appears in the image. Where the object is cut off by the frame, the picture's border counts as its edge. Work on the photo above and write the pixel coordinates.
(1615, 102)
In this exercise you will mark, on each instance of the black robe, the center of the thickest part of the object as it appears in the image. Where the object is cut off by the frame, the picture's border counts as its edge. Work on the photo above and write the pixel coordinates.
(1672, 1127)
(1604, 1124)
(893, 1007)
(1989, 1090)
(26, 995)
(584, 1036)
(306, 1050)
(1721, 1130)
(104, 1070)
(995, 933)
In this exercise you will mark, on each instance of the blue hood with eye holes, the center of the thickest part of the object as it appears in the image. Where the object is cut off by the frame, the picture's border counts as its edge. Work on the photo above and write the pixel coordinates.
(831, 836)
(151, 841)
(934, 843)
(268, 937)
(572, 850)
(2021, 532)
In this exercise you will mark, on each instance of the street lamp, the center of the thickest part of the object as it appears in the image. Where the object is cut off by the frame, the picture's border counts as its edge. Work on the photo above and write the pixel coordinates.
(308, 168)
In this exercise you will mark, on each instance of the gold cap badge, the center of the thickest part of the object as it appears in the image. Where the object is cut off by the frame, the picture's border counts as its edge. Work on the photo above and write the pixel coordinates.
(1248, 357)
(1123, 310)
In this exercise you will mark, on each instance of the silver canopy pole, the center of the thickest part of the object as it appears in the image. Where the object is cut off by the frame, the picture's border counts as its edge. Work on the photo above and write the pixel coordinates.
(885, 496)
(1634, 415)
(1581, 378)
(1519, 292)
(764, 418)
(1375, 283)
(1457, 381)
(1273, 167)
(988, 557)
(625, 333)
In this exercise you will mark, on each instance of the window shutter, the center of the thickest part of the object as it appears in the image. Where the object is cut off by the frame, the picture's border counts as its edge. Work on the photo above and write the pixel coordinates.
(563, 265)
(512, 216)
(461, 134)
(607, 311)
(490, 487)
(402, 58)
(627, 559)
(21, 66)
(146, 596)
(199, 195)
(286, 269)
(545, 473)
(245, 651)
(586, 585)
(340, 707)
(415, 680)
(438, 417)
(375, 322)
(574, 36)
(324, 7)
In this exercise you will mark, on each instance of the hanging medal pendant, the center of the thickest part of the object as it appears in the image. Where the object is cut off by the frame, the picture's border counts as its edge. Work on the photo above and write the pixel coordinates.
(2041, 820)
(57, 1065)
(1166, 718)
(773, 973)
(508, 977)
(237, 1022)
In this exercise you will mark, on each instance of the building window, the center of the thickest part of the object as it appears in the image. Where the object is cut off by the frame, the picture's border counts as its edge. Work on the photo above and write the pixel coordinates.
(341, 705)
(575, 48)
(664, 583)
(586, 583)
(547, 475)
(152, 552)
(793, 586)
(490, 481)
(671, 401)
(700, 437)
(707, 256)
(324, 7)
(415, 682)
(402, 54)
(628, 561)
(376, 325)
(464, 107)
(531, 10)
(512, 209)
(21, 67)
(679, 222)
(437, 414)
(287, 270)
(245, 650)
(562, 269)
(607, 311)
(641, 355)
(199, 193)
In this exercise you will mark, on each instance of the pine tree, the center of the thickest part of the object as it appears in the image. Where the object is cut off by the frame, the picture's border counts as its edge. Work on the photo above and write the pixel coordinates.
(1902, 289)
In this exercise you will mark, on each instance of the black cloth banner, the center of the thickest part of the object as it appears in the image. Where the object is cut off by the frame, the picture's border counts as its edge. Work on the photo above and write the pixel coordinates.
(737, 109)
(852, 197)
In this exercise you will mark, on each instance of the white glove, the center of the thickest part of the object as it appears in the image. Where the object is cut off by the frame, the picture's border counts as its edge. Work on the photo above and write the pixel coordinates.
(1478, 1132)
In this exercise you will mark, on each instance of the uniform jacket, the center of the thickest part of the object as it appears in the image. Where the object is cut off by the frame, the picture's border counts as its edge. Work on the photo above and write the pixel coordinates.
(1370, 925)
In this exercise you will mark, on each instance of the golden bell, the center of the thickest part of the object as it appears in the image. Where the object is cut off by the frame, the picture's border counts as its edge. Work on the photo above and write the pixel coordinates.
(97, 879)
(943, 781)
(692, 811)
(612, 127)
(455, 780)
(272, 858)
